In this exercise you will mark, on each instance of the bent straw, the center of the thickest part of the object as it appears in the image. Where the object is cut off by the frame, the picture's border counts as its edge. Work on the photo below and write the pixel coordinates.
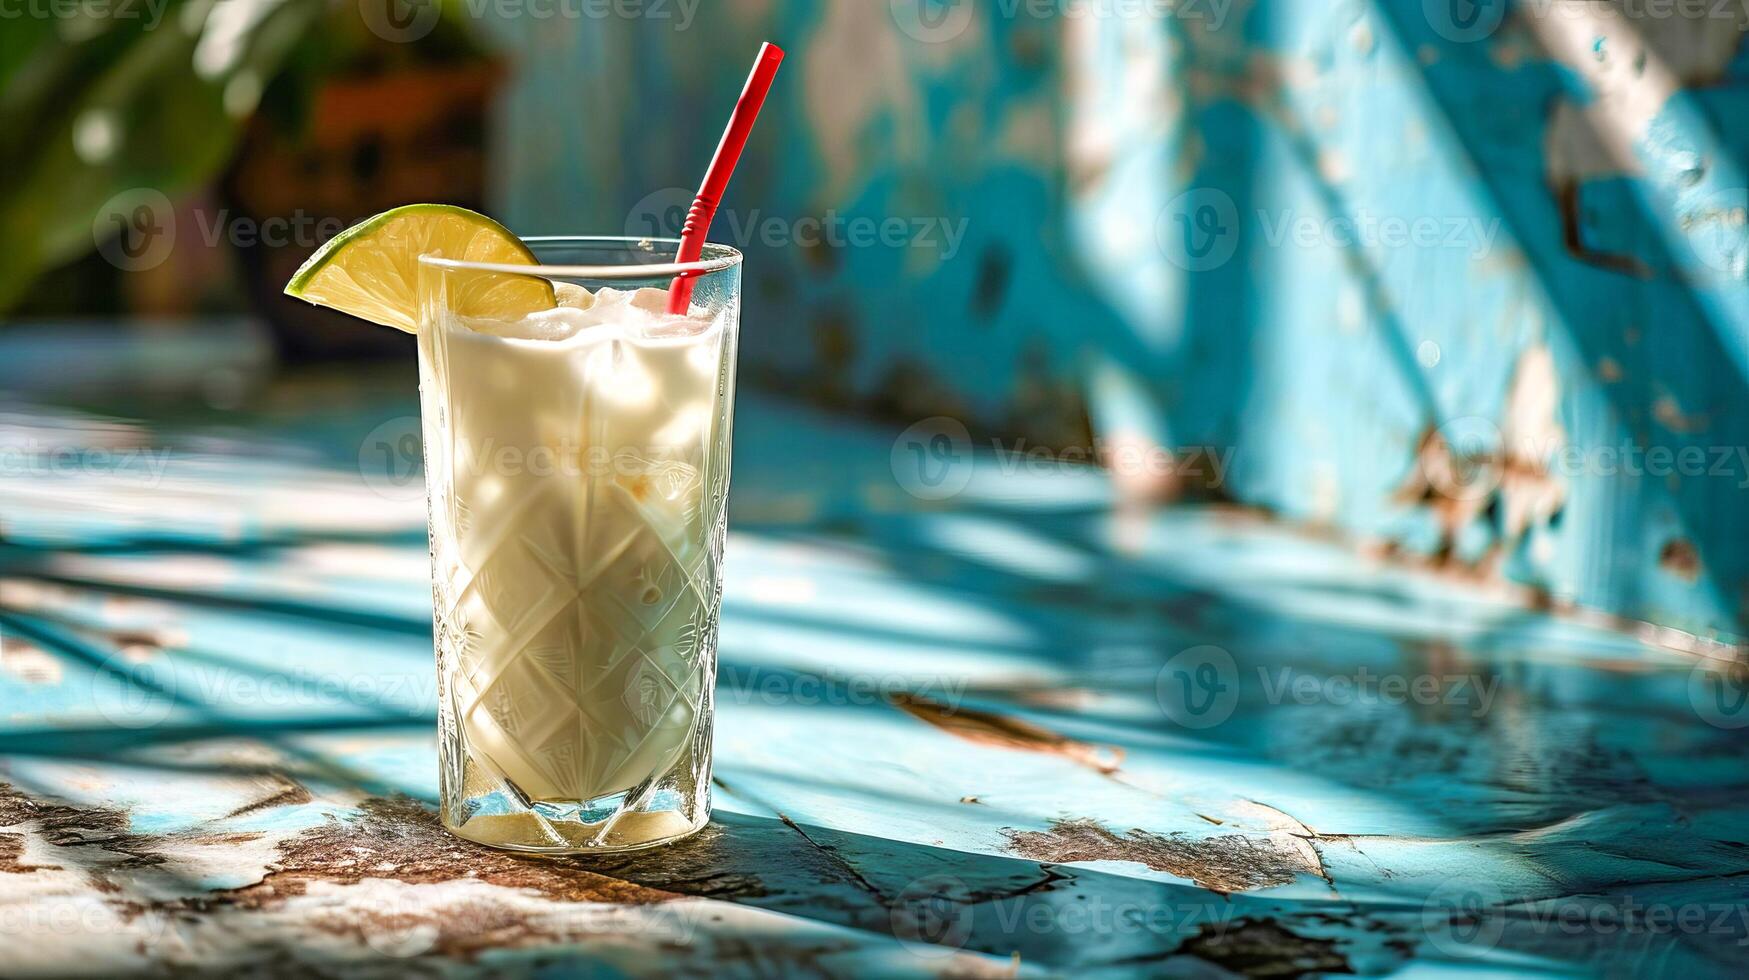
(716, 179)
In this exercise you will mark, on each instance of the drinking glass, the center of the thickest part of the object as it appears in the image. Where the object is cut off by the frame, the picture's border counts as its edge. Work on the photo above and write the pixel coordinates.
(577, 491)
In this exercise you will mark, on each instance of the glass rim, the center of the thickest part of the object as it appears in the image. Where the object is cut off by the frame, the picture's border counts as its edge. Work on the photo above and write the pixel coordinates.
(724, 257)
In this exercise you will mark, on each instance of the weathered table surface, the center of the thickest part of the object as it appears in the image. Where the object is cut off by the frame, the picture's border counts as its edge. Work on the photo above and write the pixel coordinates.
(1015, 733)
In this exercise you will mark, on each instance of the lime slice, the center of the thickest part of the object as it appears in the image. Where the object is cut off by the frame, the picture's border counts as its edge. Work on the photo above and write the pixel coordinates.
(371, 270)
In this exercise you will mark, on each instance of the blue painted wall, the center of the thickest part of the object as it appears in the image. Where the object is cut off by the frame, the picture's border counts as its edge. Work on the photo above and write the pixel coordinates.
(1465, 281)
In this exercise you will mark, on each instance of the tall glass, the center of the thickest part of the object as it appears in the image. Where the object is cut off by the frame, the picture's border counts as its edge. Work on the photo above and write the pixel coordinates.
(577, 469)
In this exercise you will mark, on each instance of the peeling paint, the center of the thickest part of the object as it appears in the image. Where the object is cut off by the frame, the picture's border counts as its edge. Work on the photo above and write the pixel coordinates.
(1502, 469)
(402, 840)
(1679, 558)
(987, 728)
(1226, 863)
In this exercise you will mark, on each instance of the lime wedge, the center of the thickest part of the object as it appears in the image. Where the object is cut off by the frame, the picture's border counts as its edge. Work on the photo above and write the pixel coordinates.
(371, 270)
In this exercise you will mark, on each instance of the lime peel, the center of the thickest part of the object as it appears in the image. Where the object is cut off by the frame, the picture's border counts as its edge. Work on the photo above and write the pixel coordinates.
(371, 270)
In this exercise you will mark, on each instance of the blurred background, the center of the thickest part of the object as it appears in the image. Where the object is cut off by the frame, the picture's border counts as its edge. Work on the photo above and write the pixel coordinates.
(1275, 462)
(1463, 283)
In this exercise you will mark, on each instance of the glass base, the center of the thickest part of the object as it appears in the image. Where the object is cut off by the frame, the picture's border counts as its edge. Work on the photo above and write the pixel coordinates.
(604, 826)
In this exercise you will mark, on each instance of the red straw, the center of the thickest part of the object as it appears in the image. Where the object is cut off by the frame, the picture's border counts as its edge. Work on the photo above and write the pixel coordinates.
(716, 179)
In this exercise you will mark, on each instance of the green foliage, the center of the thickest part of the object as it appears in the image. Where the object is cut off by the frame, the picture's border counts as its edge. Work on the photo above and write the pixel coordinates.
(118, 96)
(101, 97)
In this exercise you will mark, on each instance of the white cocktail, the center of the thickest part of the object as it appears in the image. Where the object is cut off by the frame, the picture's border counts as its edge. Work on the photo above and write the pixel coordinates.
(577, 466)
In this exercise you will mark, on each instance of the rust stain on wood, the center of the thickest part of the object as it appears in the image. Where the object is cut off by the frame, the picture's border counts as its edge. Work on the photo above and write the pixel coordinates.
(1225, 864)
(291, 793)
(1470, 469)
(988, 728)
(12, 857)
(399, 839)
(1679, 558)
(67, 825)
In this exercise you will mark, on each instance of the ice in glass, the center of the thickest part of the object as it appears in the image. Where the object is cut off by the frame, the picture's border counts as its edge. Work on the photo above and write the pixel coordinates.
(577, 471)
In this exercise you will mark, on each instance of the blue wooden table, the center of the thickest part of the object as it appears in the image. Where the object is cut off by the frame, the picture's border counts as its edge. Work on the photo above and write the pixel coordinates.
(1013, 732)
